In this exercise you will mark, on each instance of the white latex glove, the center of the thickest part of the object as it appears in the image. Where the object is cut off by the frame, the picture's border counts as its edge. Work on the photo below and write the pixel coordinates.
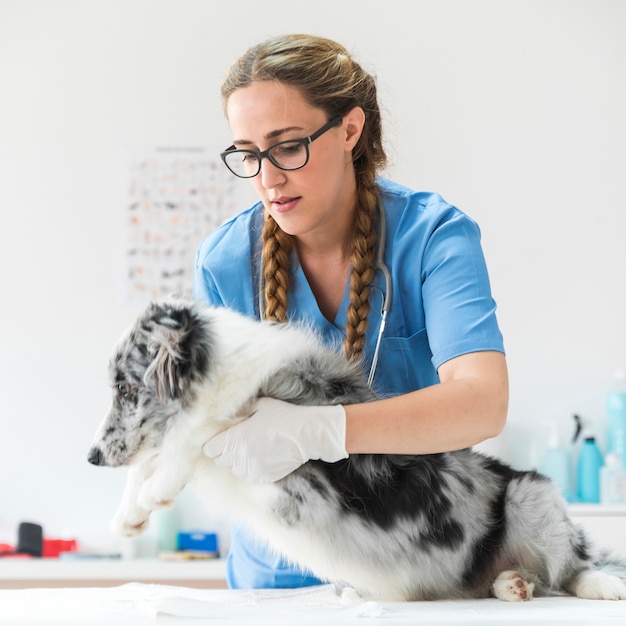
(277, 438)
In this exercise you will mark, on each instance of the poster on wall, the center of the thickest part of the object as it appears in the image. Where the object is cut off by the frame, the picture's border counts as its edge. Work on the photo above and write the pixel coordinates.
(176, 196)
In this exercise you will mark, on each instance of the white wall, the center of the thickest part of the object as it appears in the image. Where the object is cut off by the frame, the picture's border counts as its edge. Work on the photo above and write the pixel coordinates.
(513, 110)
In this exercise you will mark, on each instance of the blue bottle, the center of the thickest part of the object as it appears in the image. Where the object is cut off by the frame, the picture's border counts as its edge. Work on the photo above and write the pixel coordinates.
(556, 465)
(616, 415)
(590, 461)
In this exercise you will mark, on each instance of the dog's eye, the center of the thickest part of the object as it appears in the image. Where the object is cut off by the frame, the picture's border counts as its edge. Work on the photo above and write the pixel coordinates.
(123, 389)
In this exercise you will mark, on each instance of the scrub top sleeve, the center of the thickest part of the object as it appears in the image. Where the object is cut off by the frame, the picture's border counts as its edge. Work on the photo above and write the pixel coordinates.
(226, 272)
(203, 288)
(459, 308)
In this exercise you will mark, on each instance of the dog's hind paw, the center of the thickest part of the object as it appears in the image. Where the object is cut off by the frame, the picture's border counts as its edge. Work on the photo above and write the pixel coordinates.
(511, 586)
(595, 585)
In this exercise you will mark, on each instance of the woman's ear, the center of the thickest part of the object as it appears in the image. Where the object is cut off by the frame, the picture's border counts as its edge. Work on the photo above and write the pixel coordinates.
(353, 123)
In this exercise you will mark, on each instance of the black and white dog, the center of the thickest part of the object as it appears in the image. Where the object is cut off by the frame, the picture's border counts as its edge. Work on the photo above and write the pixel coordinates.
(452, 525)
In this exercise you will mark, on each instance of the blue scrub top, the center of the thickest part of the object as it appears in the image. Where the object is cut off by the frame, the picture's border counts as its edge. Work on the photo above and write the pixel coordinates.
(441, 308)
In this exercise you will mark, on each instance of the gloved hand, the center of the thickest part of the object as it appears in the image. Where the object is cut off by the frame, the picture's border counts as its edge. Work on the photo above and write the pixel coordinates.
(277, 438)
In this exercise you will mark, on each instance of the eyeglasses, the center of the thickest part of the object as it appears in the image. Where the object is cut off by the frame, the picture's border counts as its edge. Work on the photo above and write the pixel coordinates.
(292, 154)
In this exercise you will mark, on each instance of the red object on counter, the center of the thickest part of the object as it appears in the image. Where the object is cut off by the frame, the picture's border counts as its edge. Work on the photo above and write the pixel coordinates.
(7, 551)
(53, 547)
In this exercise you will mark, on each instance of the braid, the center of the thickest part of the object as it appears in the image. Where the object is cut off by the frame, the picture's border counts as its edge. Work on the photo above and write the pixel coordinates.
(276, 261)
(363, 269)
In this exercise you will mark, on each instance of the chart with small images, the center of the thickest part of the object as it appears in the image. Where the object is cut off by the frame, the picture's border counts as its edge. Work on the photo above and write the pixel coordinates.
(176, 196)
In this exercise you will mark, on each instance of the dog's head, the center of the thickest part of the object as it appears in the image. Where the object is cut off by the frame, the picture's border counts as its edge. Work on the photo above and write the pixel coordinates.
(154, 372)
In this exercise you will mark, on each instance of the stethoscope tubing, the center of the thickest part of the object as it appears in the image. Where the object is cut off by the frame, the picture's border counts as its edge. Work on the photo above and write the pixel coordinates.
(387, 298)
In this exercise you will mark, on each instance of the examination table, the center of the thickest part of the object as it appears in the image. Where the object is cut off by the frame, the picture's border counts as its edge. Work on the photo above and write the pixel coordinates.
(325, 605)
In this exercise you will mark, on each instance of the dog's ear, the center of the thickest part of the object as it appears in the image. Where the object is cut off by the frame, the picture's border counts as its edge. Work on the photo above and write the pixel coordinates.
(179, 343)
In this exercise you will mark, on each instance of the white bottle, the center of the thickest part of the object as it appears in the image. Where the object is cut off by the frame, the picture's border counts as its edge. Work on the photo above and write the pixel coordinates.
(616, 415)
(613, 480)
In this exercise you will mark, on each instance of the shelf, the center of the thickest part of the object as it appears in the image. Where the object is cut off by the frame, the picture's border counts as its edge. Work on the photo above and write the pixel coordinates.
(583, 509)
(210, 573)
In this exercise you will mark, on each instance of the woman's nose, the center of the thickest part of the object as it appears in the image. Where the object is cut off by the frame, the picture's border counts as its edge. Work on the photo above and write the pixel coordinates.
(271, 176)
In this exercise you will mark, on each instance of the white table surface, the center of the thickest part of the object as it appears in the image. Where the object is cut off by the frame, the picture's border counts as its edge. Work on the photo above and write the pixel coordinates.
(138, 604)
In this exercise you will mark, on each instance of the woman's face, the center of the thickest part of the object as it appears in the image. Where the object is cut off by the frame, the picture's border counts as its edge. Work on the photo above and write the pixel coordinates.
(319, 198)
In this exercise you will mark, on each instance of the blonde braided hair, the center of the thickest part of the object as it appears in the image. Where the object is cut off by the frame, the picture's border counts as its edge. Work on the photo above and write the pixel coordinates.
(277, 247)
(330, 80)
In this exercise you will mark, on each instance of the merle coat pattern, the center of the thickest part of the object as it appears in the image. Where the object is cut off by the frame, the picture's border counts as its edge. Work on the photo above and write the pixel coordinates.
(398, 527)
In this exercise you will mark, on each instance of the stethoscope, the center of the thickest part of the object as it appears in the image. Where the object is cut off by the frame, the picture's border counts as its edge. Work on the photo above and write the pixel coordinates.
(387, 297)
(386, 306)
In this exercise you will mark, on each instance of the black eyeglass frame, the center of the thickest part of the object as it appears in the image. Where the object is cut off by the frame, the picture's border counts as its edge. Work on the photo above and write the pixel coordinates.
(266, 154)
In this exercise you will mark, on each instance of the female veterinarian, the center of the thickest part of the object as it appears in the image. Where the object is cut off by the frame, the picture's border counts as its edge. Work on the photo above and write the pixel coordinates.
(396, 277)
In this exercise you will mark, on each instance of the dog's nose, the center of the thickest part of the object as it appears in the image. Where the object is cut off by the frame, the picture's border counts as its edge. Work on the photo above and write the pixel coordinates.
(95, 456)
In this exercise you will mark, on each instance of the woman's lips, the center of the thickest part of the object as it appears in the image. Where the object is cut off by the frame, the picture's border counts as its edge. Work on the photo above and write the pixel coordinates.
(284, 204)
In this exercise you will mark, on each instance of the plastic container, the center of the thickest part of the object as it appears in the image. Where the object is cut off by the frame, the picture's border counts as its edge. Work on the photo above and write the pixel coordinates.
(198, 541)
(616, 418)
(590, 462)
(613, 480)
(555, 464)
(167, 525)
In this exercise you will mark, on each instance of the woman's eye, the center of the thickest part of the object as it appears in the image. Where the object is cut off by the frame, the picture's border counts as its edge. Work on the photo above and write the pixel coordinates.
(250, 158)
(289, 149)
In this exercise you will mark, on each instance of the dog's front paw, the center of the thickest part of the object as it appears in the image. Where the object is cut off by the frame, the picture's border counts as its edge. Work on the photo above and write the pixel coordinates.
(130, 523)
(511, 586)
(153, 496)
